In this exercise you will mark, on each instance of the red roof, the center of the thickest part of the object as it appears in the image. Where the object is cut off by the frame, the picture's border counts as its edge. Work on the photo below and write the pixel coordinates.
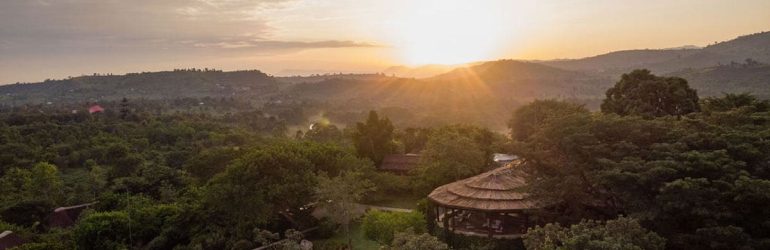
(95, 109)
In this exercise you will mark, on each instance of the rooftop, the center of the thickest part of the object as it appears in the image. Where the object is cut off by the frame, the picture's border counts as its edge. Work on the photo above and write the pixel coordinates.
(501, 189)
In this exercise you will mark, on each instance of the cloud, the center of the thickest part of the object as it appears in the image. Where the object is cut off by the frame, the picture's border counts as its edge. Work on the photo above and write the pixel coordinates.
(283, 45)
(56, 27)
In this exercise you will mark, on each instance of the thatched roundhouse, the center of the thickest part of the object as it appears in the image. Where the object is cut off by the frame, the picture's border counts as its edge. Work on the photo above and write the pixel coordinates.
(491, 204)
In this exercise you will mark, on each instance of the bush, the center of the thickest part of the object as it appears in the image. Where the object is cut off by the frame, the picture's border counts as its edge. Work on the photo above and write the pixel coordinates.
(381, 226)
(409, 240)
(621, 233)
(108, 230)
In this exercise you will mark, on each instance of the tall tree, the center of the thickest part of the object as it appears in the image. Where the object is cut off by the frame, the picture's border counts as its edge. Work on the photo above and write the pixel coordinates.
(374, 138)
(529, 119)
(642, 93)
(124, 110)
(450, 154)
(338, 197)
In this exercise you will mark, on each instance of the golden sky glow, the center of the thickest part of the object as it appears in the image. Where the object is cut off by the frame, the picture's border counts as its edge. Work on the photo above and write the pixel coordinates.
(53, 39)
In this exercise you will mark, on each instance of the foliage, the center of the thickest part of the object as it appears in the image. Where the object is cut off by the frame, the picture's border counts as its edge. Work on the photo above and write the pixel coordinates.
(41, 182)
(408, 240)
(211, 162)
(453, 153)
(325, 133)
(373, 139)
(104, 230)
(338, 196)
(621, 233)
(734, 101)
(642, 93)
(382, 226)
(685, 178)
(413, 139)
(528, 120)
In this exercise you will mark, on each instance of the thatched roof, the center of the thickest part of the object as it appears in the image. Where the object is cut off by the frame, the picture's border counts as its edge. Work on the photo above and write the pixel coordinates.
(66, 216)
(497, 190)
(400, 162)
(9, 239)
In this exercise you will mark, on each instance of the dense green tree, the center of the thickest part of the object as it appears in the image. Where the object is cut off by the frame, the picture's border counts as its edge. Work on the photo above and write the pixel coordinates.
(413, 139)
(261, 182)
(41, 182)
(210, 162)
(621, 233)
(529, 119)
(106, 230)
(450, 154)
(642, 93)
(734, 101)
(338, 197)
(124, 109)
(679, 176)
(325, 133)
(373, 139)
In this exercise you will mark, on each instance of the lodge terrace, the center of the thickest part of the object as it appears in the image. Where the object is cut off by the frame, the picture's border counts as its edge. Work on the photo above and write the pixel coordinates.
(491, 204)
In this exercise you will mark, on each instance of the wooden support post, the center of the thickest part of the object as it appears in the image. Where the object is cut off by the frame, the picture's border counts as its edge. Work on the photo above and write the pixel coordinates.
(437, 215)
(489, 224)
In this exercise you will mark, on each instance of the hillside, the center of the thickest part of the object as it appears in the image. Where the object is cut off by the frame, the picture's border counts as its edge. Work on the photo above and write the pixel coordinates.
(748, 77)
(754, 46)
(154, 85)
(480, 93)
(420, 71)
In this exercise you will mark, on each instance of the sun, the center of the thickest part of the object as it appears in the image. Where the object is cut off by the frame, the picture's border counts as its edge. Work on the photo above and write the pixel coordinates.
(449, 32)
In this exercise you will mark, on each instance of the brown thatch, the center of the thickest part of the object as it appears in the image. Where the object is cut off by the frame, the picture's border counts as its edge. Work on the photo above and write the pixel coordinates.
(66, 216)
(9, 239)
(400, 163)
(498, 190)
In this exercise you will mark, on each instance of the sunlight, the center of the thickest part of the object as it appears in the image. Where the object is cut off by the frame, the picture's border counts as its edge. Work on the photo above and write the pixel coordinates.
(449, 32)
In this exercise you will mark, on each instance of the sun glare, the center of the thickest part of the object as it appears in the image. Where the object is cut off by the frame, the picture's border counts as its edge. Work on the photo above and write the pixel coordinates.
(449, 32)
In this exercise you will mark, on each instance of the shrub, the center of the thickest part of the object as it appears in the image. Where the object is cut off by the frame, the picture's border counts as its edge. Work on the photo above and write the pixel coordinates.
(108, 230)
(409, 240)
(381, 226)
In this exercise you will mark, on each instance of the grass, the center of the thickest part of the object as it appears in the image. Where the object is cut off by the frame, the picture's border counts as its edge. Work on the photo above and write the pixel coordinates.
(360, 242)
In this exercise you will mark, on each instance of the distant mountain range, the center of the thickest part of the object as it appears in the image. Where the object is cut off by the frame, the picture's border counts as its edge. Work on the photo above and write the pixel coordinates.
(755, 46)
(468, 92)
(419, 72)
(150, 85)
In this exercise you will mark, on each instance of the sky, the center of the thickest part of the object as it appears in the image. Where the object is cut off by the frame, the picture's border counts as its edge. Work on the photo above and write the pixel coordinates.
(42, 39)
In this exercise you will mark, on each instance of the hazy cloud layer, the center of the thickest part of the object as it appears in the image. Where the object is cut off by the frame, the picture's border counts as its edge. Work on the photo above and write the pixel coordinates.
(53, 27)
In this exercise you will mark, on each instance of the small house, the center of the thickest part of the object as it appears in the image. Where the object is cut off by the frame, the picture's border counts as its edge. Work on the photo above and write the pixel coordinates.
(400, 163)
